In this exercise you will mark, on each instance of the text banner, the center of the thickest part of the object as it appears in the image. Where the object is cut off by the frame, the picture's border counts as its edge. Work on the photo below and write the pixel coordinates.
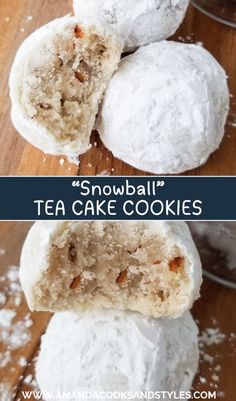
(118, 198)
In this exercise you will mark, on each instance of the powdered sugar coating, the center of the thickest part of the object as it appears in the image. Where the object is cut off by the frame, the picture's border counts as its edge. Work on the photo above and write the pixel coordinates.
(139, 22)
(114, 351)
(165, 108)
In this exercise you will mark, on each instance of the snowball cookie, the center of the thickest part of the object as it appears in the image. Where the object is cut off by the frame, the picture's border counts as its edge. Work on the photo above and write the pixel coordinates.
(57, 81)
(220, 235)
(165, 108)
(139, 22)
(115, 351)
(150, 267)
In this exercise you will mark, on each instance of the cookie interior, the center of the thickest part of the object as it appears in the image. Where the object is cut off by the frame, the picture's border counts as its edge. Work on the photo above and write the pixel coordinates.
(108, 266)
(63, 84)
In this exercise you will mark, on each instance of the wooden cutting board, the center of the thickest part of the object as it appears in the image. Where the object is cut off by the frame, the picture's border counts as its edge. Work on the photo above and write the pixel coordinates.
(215, 309)
(20, 18)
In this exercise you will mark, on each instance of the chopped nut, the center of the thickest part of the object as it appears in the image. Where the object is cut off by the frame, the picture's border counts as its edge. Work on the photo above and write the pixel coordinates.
(76, 283)
(122, 278)
(176, 264)
(80, 76)
(161, 295)
(60, 62)
(72, 253)
(78, 32)
(157, 262)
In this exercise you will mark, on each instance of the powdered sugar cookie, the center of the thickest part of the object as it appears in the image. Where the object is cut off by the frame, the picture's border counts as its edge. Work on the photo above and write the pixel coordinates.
(139, 22)
(114, 351)
(57, 82)
(165, 108)
(150, 267)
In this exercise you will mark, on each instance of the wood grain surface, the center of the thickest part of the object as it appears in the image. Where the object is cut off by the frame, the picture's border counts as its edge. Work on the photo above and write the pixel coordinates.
(20, 158)
(215, 309)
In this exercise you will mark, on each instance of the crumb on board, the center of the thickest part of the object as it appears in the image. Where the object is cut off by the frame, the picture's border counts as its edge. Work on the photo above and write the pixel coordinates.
(104, 173)
(210, 359)
(14, 333)
(5, 392)
(232, 119)
(5, 359)
(211, 336)
(3, 298)
(190, 39)
(22, 361)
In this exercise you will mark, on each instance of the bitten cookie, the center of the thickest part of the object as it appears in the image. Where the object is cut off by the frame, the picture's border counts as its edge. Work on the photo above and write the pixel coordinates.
(139, 22)
(165, 108)
(114, 351)
(57, 82)
(150, 267)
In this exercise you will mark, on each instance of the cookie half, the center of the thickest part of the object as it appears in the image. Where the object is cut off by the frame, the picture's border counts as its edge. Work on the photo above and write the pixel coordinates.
(57, 82)
(149, 267)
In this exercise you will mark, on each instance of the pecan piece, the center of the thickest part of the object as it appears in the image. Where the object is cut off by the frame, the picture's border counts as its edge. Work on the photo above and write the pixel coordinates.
(122, 278)
(78, 32)
(79, 76)
(161, 295)
(76, 283)
(176, 264)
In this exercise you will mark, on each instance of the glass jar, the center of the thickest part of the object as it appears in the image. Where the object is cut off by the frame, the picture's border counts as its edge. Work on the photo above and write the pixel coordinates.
(220, 10)
(216, 242)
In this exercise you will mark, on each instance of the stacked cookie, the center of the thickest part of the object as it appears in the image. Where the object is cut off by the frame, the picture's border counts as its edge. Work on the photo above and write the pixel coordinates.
(121, 292)
(165, 105)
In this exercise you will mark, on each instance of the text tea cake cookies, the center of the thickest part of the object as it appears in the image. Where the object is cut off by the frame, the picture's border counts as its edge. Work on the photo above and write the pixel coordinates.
(115, 351)
(57, 81)
(165, 108)
(139, 22)
(150, 267)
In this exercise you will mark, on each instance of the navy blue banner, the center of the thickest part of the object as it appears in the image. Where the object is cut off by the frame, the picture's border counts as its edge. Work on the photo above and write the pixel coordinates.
(118, 198)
